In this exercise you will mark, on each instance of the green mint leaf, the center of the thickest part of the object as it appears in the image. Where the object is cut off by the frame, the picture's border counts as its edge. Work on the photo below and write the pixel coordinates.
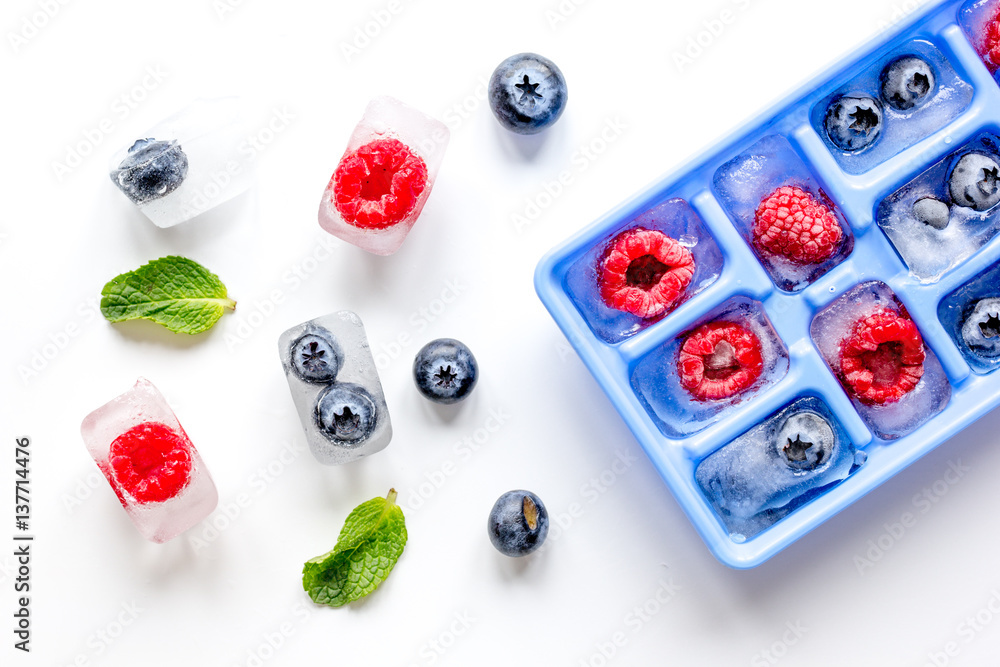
(369, 545)
(176, 292)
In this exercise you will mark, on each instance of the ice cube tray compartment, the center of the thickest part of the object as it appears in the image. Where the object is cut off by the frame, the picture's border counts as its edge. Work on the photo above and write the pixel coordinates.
(616, 362)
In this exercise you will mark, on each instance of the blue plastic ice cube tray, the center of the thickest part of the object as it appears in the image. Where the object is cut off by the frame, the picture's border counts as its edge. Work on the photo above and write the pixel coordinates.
(709, 204)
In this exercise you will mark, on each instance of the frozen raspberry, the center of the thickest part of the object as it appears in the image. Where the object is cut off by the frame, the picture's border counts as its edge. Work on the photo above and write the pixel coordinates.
(792, 223)
(378, 185)
(151, 462)
(991, 43)
(719, 360)
(882, 359)
(644, 272)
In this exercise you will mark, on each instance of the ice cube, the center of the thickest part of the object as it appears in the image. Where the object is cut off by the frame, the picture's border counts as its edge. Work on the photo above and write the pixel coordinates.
(979, 19)
(932, 245)
(676, 411)
(833, 325)
(187, 163)
(150, 462)
(336, 389)
(744, 182)
(971, 316)
(776, 467)
(384, 177)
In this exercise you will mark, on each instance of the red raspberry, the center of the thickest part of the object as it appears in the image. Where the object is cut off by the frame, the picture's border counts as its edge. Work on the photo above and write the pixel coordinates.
(718, 360)
(882, 359)
(151, 462)
(790, 222)
(991, 43)
(644, 272)
(378, 185)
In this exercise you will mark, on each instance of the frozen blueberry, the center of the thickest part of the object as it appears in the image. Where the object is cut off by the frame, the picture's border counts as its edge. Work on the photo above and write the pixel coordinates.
(907, 82)
(152, 169)
(805, 440)
(518, 523)
(973, 182)
(445, 370)
(932, 212)
(527, 93)
(315, 357)
(981, 330)
(346, 413)
(853, 123)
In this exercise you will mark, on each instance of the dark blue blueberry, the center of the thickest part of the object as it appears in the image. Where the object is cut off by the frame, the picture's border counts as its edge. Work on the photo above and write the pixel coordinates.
(907, 82)
(805, 440)
(853, 123)
(445, 370)
(527, 93)
(518, 523)
(975, 182)
(981, 329)
(346, 413)
(152, 169)
(315, 357)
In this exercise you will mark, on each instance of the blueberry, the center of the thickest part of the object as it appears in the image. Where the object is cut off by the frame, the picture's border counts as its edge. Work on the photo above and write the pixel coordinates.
(152, 169)
(346, 413)
(518, 523)
(315, 357)
(445, 370)
(805, 440)
(981, 330)
(932, 212)
(527, 93)
(907, 82)
(973, 182)
(853, 123)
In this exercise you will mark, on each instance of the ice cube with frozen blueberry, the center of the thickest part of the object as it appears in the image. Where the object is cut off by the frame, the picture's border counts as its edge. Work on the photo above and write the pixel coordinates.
(150, 463)
(776, 467)
(336, 388)
(971, 316)
(188, 163)
(384, 177)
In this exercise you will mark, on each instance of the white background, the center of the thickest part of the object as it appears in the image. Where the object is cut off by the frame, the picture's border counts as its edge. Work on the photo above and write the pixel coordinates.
(451, 600)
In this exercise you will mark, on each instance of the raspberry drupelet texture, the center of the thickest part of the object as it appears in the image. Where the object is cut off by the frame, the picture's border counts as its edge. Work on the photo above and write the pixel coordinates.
(791, 223)
(151, 462)
(379, 184)
(644, 272)
(882, 358)
(991, 42)
(719, 360)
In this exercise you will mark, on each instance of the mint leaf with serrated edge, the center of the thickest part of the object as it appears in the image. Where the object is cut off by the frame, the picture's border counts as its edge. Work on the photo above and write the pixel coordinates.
(176, 292)
(369, 545)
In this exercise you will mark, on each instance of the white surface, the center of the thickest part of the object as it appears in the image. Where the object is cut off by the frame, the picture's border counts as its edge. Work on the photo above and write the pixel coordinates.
(465, 271)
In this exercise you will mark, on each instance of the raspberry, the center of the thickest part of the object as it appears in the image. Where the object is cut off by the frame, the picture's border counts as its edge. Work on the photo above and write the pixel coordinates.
(790, 222)
(991, 43)
(882, 359)
(644, 272)
(378, 185)
(151, 462)
(718, 360)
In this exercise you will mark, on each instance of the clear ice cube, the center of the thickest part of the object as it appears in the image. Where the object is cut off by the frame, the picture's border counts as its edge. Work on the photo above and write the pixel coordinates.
(832, 326)
(195, 499)
(335, 387)
(776, 467)
(186, 164)
(900, 128)
(676, 412)
(928, 248)
(386, 118)
(678, 220)
(967, 314)
(745, 181)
